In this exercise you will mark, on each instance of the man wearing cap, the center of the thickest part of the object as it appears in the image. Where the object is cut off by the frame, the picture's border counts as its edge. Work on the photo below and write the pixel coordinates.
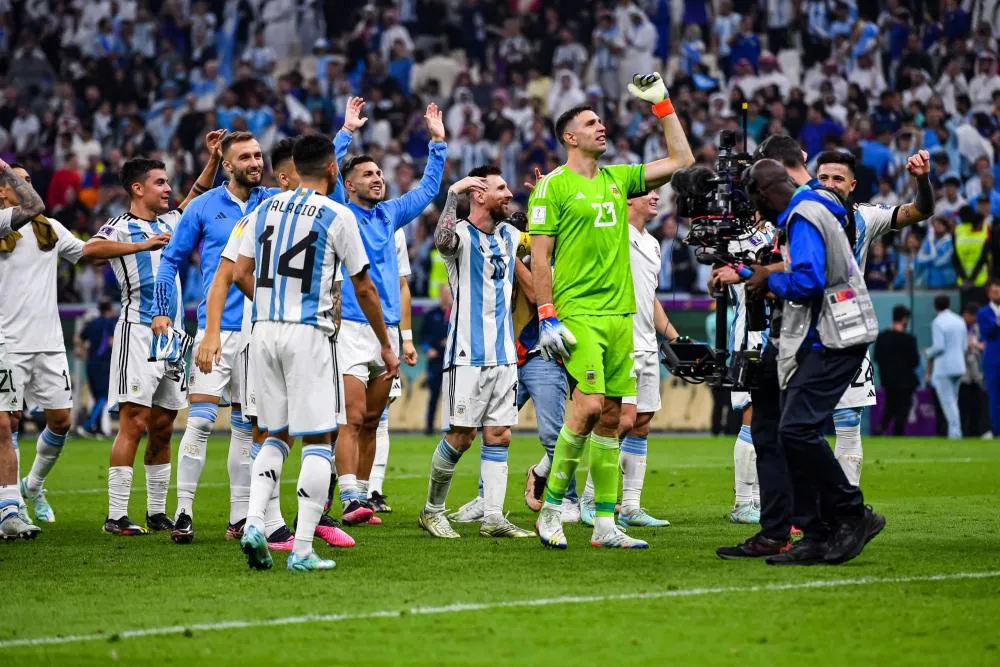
(984, 82)
(771, 75)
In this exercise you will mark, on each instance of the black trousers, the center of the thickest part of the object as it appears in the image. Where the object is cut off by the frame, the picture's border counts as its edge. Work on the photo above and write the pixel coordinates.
(435, 375)
(822, 496)
(898, 401)
(772, 468)
(973, 407)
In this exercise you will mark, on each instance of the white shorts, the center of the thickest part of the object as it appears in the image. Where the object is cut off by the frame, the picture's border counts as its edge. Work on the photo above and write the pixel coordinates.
(358, 351)
(243, 382)
(293, 378)
(739, 399)
(646, 369)
(42, 379)
(223, 380)
(135, 379)
(861, 392)
(480, 396)
(10, 396)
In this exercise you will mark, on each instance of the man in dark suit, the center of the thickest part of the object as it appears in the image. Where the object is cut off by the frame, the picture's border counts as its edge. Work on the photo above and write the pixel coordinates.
(897, 357)
(989, 333)
(433, 338)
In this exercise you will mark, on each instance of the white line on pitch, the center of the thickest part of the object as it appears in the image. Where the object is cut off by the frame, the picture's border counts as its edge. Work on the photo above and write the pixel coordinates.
(483, 606)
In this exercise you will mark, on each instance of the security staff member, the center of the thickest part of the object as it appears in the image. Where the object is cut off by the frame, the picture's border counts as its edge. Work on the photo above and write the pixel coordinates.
(827, 322)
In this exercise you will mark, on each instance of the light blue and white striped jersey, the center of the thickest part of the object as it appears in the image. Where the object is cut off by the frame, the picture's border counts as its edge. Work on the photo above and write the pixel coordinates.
(299, 240)
(739, 337)
(136, 273)
(481, 277)
(872, 221)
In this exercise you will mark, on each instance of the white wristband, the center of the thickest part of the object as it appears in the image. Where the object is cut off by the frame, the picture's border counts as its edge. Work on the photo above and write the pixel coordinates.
(406, 334)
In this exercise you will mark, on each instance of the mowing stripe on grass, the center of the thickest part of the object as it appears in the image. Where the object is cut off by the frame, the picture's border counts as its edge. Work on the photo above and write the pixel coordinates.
(484, 606)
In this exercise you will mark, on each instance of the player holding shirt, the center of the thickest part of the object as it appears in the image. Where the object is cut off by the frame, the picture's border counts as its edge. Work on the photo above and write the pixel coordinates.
(578, 214)
(12, 524)
(835, 170)
(290, 263)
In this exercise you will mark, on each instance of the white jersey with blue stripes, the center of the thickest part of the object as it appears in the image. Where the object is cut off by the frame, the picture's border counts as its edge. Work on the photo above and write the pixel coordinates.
(481, 277)
(299, 240)
(739, 337)
(872, 221)
(136, 273)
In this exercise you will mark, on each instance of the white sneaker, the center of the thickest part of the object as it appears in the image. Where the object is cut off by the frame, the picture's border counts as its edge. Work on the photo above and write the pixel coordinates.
(570, 511)
(617, 539)
(503, 528)
(988, 435)
(14, 527)
(469, 512)
(437, 525)
(549, 527)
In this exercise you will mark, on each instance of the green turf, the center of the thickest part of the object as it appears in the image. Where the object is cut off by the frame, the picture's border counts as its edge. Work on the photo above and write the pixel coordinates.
(940, 499)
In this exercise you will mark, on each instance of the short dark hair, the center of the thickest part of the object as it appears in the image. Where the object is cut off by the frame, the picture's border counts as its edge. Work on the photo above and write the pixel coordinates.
(235, 138)
(900, 312)
(837, 157)
(282, 151)
(484, 170)
(312, 154)
(782, 148)
(972, 308)
(942, 302)
(350, 163)
(18, 165)
(566, 117)
(135, 171)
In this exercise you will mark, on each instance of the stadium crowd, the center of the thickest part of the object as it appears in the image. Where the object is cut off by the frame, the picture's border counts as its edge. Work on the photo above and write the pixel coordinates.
(86, 85)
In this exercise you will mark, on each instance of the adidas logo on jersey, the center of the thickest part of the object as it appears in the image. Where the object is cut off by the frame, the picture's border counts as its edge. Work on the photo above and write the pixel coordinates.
(220, 216)
(580, 195)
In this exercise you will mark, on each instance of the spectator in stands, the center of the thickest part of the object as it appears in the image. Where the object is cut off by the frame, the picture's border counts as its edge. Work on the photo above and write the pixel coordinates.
(935, 261)
(897, 358)
(972, 253)
(879, 272)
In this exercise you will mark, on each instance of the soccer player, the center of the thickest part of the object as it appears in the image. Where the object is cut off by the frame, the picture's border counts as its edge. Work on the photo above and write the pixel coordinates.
(146, 394)
(279, 537)
(289, 263)
(578, 218)
(366, 385)
(835, 170)
(12, 218)
(649, 321)
(480, 253)
(206, 225)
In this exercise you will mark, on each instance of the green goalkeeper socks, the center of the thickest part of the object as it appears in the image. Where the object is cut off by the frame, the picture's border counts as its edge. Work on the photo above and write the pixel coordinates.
(569, 448)
(604, 470)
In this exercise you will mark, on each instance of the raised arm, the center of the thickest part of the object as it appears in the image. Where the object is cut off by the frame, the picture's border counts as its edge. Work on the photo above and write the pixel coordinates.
(353, 121)
(922, 207)
(31, 202)
(445, 237)
(650, 87)
(213, 142)
(98, 248)
(406, 208)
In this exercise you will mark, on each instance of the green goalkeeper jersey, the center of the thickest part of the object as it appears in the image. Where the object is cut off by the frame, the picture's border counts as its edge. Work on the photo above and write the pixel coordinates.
(588, 217)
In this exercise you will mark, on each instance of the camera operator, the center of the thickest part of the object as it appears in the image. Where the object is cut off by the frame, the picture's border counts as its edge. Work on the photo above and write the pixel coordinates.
(827, 321)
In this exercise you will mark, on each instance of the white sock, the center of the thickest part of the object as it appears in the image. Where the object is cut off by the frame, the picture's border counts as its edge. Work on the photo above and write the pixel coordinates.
(544, 466)
(47, 450)
(745, 467)
(119, 490)
(273, 520)
(264, 478)
(363, 489)
(17, 453)
(240, 442)
(314, 482)
(588, 490)
(10, 499)
(632, 460)
(348, 487)
(847, 422)
(442, 470)
(157, 484)
(377, 478)
(493, 470)
(192, 450)
(603, 524)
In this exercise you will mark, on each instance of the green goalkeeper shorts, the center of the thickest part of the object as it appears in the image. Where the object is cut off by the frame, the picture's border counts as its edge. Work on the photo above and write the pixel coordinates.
(601, 362)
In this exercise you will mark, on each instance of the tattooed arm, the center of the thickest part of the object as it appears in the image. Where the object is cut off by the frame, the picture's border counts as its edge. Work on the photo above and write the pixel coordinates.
(31, 203)
(922, 206)
(445, 238)
(337, 300)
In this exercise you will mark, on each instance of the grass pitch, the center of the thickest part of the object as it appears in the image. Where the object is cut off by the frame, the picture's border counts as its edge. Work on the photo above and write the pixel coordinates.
(925, 592)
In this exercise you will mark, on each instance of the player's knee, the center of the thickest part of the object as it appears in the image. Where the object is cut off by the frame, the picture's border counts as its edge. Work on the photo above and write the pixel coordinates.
(641, 426)
(498, 437)
(201, 418)
(58, 421)
(461, 437)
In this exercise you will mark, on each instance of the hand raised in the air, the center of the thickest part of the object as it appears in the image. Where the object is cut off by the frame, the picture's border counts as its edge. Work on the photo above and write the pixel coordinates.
(353, 120)
(919, 165)
(213, 142)
(528, 185)
(467, 184)
(434, 120)
(648, 87)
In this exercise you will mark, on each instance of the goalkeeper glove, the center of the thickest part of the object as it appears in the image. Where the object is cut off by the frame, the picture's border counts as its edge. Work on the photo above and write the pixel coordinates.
(650, 87)
(554, 339)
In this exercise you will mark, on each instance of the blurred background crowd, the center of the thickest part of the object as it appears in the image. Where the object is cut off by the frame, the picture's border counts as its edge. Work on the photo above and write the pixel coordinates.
(89, 83)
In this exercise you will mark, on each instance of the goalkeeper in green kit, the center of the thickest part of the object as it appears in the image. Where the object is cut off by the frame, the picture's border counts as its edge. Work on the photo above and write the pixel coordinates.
(578, 218)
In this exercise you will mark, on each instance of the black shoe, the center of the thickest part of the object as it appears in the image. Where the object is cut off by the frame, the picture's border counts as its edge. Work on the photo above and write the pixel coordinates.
(327, 520)
(377, 503)
(757, 546)
(234, 531)
(124, 527)
(357, 512)
(183, 532)
(280, 535)
(158, 522)
(852, 535)
(803, 552)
